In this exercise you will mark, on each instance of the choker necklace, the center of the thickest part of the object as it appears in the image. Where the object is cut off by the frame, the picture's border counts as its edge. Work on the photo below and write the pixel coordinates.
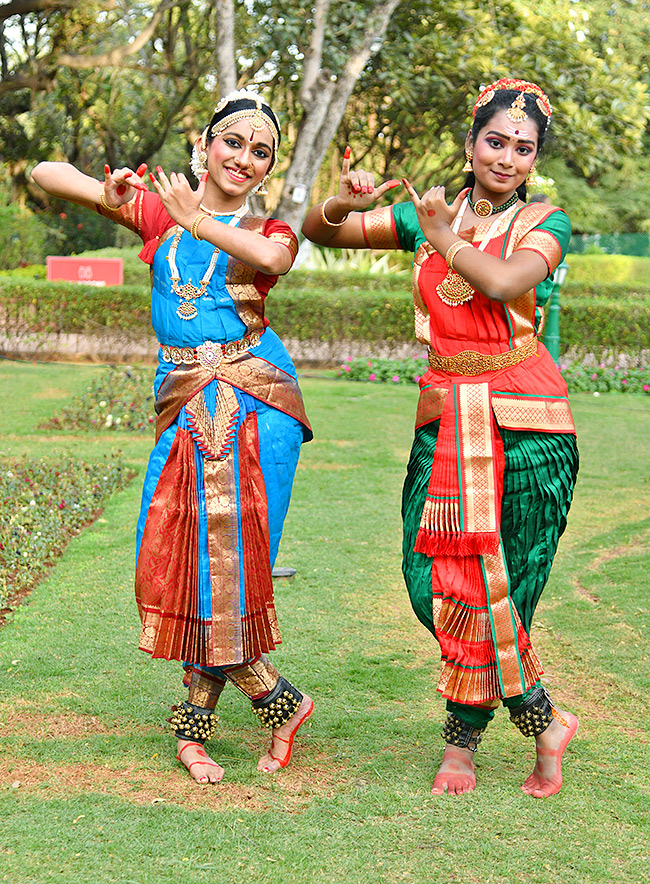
(222, 214)
(188, 292)
(483, 208)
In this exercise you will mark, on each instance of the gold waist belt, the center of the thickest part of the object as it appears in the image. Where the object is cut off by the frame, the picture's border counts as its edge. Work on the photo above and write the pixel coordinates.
(210, 354)
(469, 362)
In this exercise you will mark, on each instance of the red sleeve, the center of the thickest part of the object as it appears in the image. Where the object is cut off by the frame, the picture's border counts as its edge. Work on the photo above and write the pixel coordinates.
(278, 231)
(152, 220)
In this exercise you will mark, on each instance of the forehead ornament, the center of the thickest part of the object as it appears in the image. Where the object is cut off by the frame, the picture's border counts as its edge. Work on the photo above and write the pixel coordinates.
(516, 113)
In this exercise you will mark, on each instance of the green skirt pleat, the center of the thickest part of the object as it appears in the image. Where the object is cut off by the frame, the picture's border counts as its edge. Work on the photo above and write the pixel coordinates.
(539, 477)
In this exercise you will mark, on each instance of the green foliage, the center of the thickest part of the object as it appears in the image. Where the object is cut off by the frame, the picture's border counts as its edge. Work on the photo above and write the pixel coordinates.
(597, 271)
(120, 399)
(24, 238)
(379, 369)
(579, 377)
(43, 503)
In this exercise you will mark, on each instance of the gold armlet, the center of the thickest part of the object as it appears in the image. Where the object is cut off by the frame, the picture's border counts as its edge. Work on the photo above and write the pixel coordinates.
(453, 250)
(326, 220)
(194, 229)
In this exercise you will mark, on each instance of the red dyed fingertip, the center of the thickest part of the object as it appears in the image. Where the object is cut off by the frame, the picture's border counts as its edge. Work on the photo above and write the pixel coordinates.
(152, 176)
(159, 169)
(347, 152)
(394, 183)
(141, 169)
(107, 169)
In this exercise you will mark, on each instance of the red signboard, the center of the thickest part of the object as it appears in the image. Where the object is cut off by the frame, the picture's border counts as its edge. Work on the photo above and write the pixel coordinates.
(92, 271)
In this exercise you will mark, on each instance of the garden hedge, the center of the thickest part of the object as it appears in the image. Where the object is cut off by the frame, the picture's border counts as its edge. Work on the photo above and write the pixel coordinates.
(319, 306)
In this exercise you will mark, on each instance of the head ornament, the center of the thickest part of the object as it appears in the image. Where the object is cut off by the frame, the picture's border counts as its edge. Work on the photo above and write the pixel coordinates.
(517, 110)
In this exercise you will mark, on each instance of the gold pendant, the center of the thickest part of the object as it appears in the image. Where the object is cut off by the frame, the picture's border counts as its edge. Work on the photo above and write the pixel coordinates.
(186, 310)
(454, 289)
(483, 208)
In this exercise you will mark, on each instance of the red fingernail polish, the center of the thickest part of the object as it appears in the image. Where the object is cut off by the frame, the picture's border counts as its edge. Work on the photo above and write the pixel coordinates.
(141, 168)
(152, 176)
(107, 169)
(120, 189)
(159, 169)
(405, 182)
(346, 153)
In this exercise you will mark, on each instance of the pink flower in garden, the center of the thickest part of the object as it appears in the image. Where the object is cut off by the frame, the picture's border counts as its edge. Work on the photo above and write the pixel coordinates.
(372, 376)
(416, 378)
(563, 367)
(624, 381)
(602, 365)
(346, 368)
(349, 359)
(594, 376)
(646, 388)
(62, 505)
(396, 379)
(616, 367)
(369, 364)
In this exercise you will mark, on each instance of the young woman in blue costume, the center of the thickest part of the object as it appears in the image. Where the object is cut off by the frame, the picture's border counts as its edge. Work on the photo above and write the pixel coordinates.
(494, 460)
(230, 423)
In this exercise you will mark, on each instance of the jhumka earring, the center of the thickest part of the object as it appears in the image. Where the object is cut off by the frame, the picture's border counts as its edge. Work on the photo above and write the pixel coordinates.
(261, 187)
(531, 173)
(469, 155)
(200, 156)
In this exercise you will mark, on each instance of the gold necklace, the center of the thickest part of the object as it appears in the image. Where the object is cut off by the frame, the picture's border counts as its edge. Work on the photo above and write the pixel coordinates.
(188, 292)
(454, 288)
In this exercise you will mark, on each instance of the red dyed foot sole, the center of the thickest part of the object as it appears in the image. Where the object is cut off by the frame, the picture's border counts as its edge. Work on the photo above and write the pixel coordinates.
(540, 787)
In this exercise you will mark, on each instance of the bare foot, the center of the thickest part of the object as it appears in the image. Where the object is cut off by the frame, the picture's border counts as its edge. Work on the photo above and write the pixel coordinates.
(279, 753)
(546, 778)
(456, 773)
(202, 768)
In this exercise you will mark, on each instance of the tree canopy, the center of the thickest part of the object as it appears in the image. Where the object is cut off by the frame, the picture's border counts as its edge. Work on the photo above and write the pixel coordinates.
(110, 81)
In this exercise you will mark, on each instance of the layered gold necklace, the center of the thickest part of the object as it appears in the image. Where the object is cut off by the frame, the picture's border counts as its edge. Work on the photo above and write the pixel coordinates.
(188, 292)
(454, 288)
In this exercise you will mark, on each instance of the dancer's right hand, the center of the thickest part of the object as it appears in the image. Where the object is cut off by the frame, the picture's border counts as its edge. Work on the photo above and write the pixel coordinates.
(120, 185)
(357, 188)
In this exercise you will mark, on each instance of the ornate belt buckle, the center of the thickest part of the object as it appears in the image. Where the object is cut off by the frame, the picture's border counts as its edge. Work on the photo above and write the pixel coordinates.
(209, 355)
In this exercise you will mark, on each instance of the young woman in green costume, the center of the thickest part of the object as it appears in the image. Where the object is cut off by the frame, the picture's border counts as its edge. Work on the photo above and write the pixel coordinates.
(494, 460)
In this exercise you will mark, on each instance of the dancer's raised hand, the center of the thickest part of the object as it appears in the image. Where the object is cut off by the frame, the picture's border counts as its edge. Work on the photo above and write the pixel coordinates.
(120, 185)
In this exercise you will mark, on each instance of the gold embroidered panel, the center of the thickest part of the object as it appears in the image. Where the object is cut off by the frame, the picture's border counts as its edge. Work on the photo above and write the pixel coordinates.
(379, 230)
(550, 415)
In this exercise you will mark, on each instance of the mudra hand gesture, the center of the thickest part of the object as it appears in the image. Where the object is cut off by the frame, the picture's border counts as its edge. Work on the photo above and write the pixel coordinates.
(121, 184)
(432, 208)
(177, 195)
(357, 188)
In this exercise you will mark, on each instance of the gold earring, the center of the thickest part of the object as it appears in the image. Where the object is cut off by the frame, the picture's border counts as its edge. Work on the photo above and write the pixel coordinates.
(261, 190)
(469, 155)
(531, 173)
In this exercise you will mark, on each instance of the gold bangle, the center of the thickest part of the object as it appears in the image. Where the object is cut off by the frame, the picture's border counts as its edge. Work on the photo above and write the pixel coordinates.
(194, 229)
(453, 250)
(104, 204)
(326, 220)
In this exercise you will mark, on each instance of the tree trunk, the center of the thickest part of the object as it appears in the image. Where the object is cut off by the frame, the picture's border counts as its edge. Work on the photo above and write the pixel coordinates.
(324, 105)
(226, 64)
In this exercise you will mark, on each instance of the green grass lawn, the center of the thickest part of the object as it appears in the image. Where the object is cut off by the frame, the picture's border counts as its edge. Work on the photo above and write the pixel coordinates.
(90, 788)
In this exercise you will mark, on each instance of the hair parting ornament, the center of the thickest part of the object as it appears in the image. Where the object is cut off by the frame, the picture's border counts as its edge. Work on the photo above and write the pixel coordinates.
(239, 105)
(517, 110)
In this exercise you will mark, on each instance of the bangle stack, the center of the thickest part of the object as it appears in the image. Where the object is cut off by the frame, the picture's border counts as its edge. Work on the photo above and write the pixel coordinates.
(326, 220)
(194, 229)
(453, 250)
(104, 204)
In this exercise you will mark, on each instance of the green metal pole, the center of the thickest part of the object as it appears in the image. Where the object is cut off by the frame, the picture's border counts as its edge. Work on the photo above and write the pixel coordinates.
(552, 333)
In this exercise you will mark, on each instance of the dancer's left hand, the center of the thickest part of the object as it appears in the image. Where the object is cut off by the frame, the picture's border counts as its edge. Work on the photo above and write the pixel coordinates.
(175, 191)
(432, 209)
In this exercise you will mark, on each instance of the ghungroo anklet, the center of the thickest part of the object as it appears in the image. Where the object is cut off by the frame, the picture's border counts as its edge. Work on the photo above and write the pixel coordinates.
(279, 706)
(534, 716)
(460, 733)
(191, 722)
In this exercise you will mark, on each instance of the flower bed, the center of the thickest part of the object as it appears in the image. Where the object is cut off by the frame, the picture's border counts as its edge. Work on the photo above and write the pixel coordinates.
(120, 399)
(43, 503)
(583, 377)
